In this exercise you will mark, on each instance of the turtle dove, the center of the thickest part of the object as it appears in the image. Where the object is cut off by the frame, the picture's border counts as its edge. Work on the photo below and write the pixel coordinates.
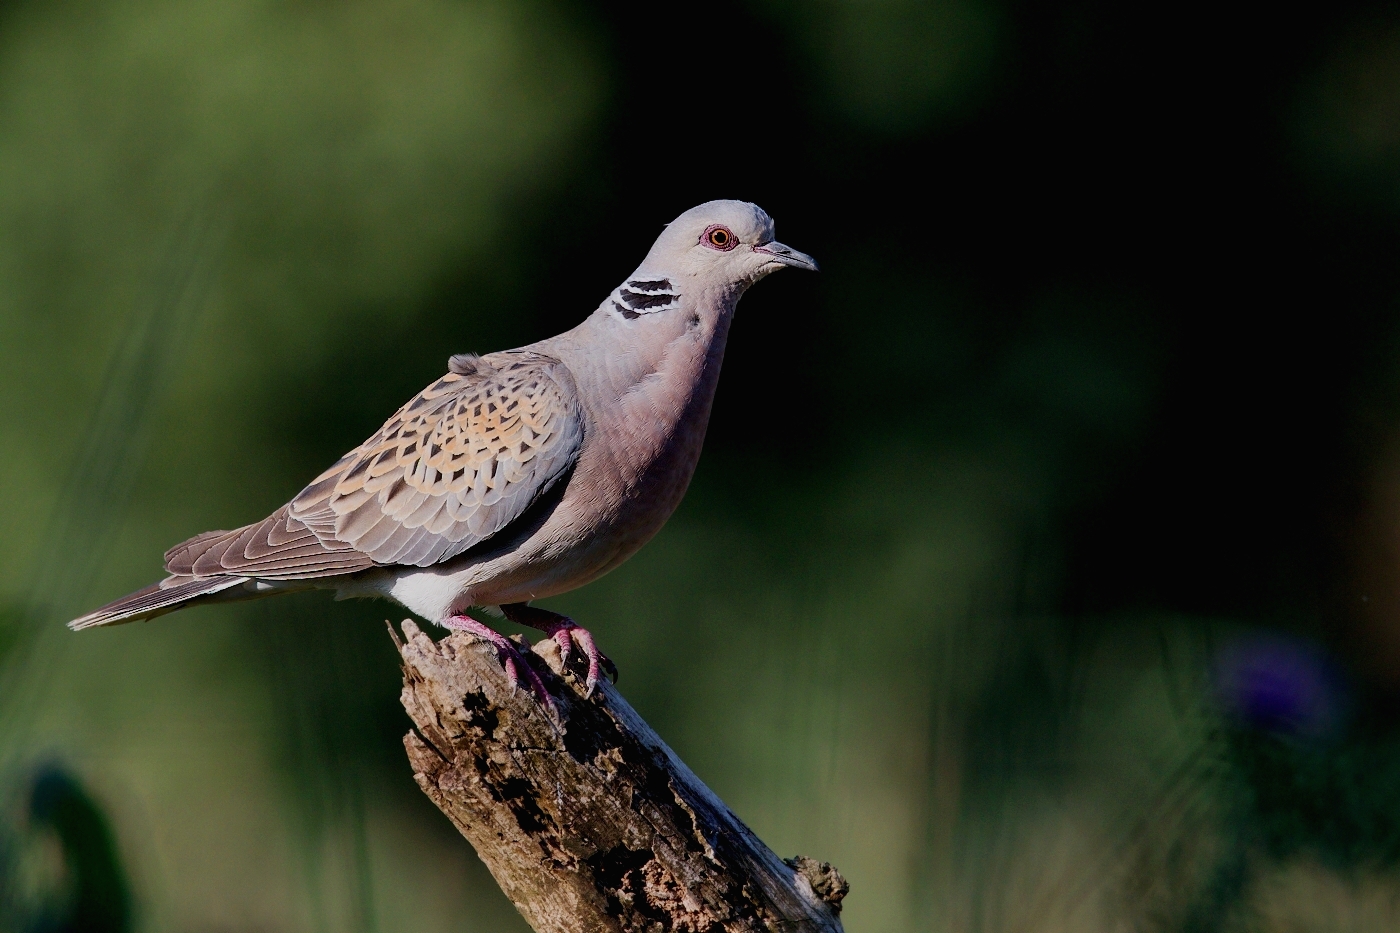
(518, 475)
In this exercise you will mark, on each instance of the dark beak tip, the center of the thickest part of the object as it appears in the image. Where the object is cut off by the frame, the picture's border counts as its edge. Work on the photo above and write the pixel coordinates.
(789, 256)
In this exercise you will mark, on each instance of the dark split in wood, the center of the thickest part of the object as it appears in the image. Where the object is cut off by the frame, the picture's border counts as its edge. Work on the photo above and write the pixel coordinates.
(590, 822)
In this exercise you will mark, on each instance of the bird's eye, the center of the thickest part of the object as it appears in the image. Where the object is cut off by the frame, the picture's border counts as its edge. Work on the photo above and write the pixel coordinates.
(719, 237)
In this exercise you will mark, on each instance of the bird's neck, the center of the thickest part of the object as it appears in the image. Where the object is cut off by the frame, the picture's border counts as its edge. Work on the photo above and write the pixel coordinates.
(655, 384)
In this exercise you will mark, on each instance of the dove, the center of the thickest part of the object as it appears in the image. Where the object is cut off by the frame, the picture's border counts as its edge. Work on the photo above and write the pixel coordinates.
(518, 475)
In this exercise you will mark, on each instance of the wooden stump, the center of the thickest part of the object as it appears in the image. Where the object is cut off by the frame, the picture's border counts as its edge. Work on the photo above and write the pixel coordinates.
(590, 823)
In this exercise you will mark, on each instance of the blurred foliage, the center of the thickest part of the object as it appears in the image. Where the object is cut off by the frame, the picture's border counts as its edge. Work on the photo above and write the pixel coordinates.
(894, 66)
(980, 588)
(62, 872)
(1346, 113)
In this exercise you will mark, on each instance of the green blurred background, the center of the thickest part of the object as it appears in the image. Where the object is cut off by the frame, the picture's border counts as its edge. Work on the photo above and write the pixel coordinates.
(1041, 569)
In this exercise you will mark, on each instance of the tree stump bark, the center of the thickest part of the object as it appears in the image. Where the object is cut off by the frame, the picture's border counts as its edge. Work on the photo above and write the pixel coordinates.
(590, 823)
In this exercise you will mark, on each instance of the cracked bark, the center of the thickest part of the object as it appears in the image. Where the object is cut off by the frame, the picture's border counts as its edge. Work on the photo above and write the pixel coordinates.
(590, 823)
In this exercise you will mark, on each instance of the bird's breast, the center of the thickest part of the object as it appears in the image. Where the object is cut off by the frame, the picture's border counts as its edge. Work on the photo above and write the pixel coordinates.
(645, 426)
(641, 449)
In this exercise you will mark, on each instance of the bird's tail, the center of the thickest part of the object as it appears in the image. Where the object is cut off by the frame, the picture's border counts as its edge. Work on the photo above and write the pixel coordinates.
(172, 593)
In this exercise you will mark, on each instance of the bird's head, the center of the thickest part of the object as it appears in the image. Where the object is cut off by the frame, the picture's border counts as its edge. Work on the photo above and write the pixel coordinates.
(722, 242)
(719, 248)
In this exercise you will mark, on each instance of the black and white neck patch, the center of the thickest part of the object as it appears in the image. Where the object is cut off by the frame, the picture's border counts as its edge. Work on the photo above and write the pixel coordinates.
(644, 296)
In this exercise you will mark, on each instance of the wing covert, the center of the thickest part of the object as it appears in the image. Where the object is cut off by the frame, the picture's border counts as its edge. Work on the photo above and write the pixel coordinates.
(455, 465)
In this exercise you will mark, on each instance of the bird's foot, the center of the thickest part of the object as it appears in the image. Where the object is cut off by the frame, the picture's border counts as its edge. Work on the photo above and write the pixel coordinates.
(566, 633)
(515, 665)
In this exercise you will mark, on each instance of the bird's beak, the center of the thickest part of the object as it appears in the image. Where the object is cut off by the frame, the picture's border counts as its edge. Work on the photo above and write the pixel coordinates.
(787, 255)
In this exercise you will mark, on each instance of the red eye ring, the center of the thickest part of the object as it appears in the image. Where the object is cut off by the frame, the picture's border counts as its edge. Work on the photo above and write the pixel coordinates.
(720, 237)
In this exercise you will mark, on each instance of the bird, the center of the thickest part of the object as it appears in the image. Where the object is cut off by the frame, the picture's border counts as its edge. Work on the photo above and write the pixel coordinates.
(518, 475)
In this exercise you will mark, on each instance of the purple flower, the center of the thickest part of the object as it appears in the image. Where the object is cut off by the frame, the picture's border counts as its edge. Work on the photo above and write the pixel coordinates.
(1279, 683)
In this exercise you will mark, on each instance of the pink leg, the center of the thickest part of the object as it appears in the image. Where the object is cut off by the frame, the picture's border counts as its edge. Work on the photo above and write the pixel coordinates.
(565, 633)
(509, 656)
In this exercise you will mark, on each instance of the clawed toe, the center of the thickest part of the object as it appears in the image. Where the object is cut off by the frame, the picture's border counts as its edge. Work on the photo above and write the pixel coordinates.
(566, 634)
(512, 662)
(563, 637)
(537, 687)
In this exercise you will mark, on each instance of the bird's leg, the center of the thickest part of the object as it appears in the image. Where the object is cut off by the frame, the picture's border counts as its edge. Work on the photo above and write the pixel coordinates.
(508, 654)
(565, 632)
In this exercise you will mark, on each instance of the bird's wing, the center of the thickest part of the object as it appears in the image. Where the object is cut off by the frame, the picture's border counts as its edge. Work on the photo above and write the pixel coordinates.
(454, 466)
(280, 547)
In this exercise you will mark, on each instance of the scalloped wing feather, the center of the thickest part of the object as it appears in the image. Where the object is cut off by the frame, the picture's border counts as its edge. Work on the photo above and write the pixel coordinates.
(458, 463)
(454, 466)
(279, 547)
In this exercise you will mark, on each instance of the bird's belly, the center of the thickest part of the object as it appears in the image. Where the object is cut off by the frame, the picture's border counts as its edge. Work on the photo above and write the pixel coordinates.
(427, 592)
(437, 593)
(615, 504)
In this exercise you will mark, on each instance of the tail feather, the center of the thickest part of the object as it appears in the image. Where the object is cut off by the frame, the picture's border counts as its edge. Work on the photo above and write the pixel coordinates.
(157, 599)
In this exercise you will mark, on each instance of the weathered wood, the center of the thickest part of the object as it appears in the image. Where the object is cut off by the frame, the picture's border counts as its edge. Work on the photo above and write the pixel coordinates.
(590, 823)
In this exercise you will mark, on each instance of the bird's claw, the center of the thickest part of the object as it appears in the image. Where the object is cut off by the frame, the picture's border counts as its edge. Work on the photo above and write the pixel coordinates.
(511, 660)
(563, 638)
(566, 633)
